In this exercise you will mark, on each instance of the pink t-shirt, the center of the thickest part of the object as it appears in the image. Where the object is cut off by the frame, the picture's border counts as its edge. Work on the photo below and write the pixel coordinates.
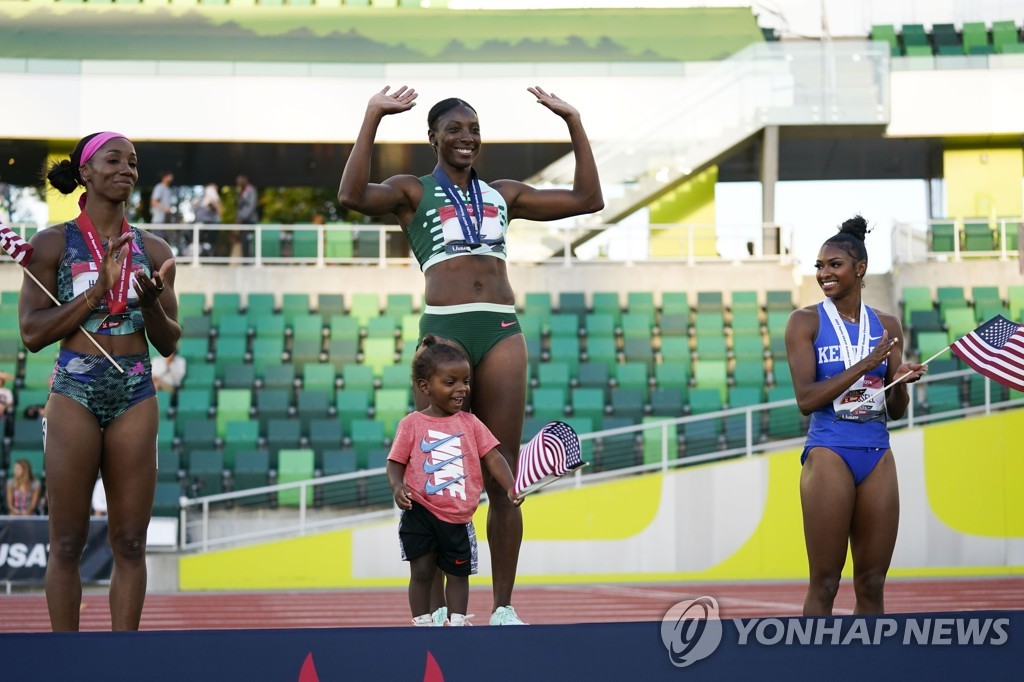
(442, 462)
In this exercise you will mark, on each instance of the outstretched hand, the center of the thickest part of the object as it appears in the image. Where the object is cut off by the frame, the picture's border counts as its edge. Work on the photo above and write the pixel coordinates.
(553, 102)
(396, 102)
(150, 288)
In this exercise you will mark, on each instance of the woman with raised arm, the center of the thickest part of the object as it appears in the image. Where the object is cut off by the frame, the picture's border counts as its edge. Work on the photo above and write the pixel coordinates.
(456, 226)
(115, 287)
(841, 354)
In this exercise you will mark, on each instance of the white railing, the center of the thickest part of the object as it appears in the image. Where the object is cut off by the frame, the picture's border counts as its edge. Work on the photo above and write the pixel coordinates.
(200, 532)
(385, 245)
(947, 240)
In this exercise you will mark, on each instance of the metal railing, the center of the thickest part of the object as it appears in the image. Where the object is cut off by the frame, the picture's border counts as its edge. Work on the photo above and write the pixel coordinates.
(200, 245)
(947, 240)
(660, 445)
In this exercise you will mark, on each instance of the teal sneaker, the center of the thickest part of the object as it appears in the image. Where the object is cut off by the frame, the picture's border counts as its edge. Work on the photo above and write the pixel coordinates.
(440, 617)
(505, 615)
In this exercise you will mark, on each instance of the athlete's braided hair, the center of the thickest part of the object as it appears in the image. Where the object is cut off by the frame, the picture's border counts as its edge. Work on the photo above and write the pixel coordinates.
(431, 353)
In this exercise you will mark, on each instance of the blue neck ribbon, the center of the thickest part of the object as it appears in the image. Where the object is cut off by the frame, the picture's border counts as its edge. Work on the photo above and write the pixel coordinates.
(471, 224)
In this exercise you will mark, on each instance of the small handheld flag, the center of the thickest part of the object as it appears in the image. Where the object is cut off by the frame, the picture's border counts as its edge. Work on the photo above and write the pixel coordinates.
(996, 350)
(549, 455)
(16, 247)
(21, 251)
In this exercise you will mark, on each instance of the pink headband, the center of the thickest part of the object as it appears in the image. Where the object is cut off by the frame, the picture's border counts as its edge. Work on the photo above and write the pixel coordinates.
(93, 145)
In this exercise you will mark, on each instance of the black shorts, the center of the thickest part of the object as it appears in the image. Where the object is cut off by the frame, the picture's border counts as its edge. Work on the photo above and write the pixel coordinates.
(420, 532)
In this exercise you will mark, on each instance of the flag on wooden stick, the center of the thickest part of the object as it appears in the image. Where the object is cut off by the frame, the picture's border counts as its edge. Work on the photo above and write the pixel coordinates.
(995, 349)
(554, 451)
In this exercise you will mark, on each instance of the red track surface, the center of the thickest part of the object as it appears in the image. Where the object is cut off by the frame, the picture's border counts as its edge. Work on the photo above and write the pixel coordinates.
(539, 605)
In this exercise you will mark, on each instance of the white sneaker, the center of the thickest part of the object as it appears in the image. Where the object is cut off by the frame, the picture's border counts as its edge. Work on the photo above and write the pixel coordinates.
(505, 615)
(440, 617)
(423, 621)
(458, 620)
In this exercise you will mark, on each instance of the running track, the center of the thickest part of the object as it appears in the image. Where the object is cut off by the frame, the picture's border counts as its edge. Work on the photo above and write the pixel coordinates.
(535, 604)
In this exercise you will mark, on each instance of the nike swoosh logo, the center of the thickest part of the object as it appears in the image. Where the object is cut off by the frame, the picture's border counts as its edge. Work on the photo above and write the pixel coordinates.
(432, 489)
(431, 467)
(427, 447)
(459, 562)
(507, 324)
(874, 338)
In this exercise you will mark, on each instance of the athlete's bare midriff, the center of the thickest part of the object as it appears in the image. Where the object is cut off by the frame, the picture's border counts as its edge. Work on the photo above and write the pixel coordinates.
(468, 279)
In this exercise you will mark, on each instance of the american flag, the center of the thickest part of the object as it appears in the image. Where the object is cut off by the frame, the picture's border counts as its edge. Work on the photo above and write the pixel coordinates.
(550, 454)
(995, 349)
(16, 247)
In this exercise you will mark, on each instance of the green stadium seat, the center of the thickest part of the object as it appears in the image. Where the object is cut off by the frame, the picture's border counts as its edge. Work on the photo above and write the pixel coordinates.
(748, 346)
(654, 440)
(330, 305)
(746, 322)
(702, 436)
(675, 303)
(281, 434)
(959, 321)
(632, 375)
(600, 324)
(377, 490)
(607, 303)
(239, 436)
(295, 465)
(588, 402)
(629, 403)
(224, 303)
(364, 307)
(975, 37)
(338, 461)
(307, 327)
(338, 244)
(352, 403)
(573, 303)
(390, 406)
(251, 470)
(367, 436)
(709, 301)
(259, 305)
(886, 33)
(563, 326)
(195, 327)
(538, 304)
(748, 374)
(642, 303)
(382, 327)
(325, 434)
(567, 350)
(667, 402)
(673, 375)
(342, 352)
(978, 236)
(712, 374)
(711, 348)
(295, 305)
(943, 237)
(206, 471)
(783, 422)
(549, 403)
(313, 403)
(736, 425)
(674, 324)
(675, 349)
(190, 304)
(233, 404)
(165, 499)
(378, 353)
(168, 465)
(618, 450)
(709, 323)
(305, 243)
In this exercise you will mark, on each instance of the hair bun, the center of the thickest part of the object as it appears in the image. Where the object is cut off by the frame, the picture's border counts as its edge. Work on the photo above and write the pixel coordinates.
(62, 176)
(855, 226)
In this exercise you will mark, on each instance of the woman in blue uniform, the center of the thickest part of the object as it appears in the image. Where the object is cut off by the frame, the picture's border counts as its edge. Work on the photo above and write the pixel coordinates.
(841, 353)
(115, 285)
(456, 225)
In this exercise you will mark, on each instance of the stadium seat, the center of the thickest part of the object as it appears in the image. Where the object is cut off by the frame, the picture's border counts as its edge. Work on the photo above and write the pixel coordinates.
(588, 402)
(282, 434)
(239, 436)
(339, 461)
(619, 450)
(655, 440)
(295, 465)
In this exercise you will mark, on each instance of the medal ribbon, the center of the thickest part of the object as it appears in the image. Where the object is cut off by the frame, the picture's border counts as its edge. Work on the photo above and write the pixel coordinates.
(117, 297)
(850, 354)
(470, 228)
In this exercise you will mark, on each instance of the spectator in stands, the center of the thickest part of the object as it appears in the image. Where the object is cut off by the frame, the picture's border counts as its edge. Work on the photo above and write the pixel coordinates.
(22, 490)
(6, 399)
(161, 202)
(208, 208)
(435, 472)
(168, 372)
(246, 212)
(841, 354)
(116, 285)
(469, 301)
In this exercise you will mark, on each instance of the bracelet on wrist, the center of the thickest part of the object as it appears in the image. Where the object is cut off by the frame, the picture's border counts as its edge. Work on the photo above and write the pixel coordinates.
(85, 295)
